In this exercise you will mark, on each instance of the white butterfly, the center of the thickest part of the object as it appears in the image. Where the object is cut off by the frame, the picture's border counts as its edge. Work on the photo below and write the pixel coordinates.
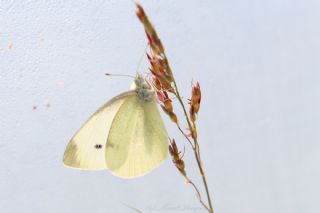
(126, 135)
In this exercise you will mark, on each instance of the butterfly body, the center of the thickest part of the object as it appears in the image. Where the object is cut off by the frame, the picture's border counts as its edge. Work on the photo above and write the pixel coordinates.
(130, 132)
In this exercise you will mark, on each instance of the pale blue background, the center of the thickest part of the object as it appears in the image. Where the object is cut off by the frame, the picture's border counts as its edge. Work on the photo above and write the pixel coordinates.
(258, 63)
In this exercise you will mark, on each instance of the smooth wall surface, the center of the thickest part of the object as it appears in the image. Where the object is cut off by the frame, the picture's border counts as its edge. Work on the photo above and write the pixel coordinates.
(258, 65)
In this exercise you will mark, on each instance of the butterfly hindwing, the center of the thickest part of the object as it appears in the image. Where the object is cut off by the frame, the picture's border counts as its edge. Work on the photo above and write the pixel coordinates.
(137, 141)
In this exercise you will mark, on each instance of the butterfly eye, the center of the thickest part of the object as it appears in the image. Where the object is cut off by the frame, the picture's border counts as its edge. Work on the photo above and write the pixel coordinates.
(98, 146)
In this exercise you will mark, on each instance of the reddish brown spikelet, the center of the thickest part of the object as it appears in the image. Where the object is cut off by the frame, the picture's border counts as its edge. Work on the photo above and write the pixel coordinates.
(174, 117)
(156, 83)
(196, 97)
(194, 132)
(166, 85)
(166, 105)
(192, 114)
(159, 69)
(177, 157)
(194, 102)
(140, 13)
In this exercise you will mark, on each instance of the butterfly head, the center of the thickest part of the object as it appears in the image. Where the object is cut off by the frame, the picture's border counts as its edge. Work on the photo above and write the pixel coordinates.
(143, 89)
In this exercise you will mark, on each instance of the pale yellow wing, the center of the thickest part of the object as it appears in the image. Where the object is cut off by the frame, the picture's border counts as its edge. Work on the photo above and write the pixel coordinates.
(137, 141)
(86, 149)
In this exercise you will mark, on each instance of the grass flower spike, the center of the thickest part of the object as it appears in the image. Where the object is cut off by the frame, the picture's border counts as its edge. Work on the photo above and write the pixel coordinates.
(177, 158)
(167, 90)
(194, 102)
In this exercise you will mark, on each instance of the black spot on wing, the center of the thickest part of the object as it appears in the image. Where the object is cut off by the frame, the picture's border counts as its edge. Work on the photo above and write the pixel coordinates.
(98, 146)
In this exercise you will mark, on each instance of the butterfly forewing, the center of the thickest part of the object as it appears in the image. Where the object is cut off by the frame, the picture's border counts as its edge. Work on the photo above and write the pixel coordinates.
(86, 150)
(137, 141)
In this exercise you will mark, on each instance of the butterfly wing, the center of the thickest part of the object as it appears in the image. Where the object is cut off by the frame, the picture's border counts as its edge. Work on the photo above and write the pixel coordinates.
(137, 141)
(86, 149)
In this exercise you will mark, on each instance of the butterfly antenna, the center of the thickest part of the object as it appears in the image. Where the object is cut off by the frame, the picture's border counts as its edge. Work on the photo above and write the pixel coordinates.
(121, 75)
(141, 58)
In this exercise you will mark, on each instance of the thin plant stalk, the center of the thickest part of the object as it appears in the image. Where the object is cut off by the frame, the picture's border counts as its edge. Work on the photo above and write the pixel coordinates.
(196, 147)
(165, 83)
